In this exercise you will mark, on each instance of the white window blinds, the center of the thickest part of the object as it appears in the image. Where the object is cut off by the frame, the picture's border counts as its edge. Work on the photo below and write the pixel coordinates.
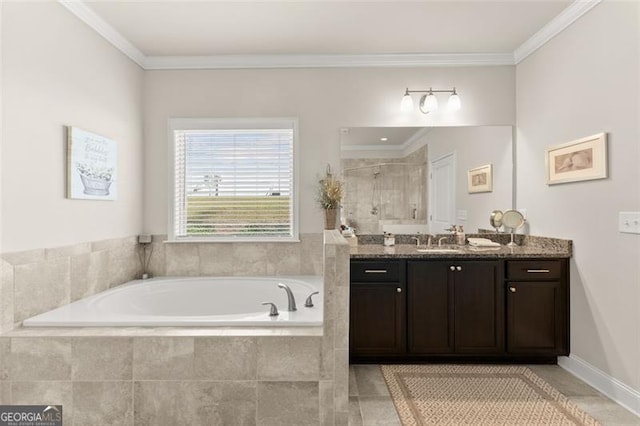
(234, 183)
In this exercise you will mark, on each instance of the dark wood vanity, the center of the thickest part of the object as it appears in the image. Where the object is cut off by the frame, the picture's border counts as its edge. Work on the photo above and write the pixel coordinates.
(407, 308)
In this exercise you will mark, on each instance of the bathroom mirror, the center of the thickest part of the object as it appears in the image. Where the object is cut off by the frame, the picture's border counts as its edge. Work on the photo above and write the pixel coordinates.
(512, 220)
(415, 179)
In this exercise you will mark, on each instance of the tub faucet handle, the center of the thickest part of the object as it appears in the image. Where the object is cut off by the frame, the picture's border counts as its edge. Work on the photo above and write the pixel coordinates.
(309, 303)
(274, 309)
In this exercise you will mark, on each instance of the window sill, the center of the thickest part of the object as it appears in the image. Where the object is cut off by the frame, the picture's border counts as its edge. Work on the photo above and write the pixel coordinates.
(231, 240)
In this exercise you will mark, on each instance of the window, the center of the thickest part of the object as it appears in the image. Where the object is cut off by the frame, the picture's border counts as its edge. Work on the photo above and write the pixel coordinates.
(233, 179)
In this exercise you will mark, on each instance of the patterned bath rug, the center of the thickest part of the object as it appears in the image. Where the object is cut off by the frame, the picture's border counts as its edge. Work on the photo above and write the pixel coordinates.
(487, 395)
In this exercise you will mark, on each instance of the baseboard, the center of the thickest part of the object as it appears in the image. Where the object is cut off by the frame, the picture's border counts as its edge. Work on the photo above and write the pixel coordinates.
(613, 388)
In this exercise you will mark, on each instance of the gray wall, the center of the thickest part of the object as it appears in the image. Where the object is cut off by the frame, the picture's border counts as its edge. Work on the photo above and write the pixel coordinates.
(583, 82)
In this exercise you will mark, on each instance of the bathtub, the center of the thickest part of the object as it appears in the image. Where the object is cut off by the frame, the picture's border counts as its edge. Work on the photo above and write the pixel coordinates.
(196, 301)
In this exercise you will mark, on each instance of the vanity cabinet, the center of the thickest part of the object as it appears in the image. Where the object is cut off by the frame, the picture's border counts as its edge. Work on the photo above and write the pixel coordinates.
(455, 307)
(377, 309)
(537, 307)
(413, 310)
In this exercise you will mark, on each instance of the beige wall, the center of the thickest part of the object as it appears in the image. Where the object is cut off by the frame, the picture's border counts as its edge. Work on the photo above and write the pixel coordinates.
(56, 72)
(475, 147)
(324, 100)
(583, 82)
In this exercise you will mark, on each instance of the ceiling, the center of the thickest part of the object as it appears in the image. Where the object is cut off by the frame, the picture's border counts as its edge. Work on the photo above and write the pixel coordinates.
(211, 34)
(205, 28)
(371, 136)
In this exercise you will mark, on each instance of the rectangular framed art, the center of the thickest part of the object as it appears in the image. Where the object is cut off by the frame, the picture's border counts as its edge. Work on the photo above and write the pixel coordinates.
(480, 179)
(92, 166)
(582, 159)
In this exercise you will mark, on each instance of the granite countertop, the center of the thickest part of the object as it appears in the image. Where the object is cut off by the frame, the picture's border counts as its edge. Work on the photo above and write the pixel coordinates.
(530, 247)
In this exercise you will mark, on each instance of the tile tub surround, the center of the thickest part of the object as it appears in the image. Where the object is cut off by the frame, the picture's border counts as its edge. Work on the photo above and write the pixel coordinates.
(36, 281)
(158, 376)
(167, 380)
(236, 259)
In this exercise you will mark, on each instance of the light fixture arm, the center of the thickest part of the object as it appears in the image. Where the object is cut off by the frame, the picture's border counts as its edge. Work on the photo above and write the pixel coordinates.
(452, 91)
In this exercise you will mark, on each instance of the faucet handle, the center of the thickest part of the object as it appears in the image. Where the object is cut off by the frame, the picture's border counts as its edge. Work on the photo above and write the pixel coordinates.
(309, 303)
(274, 309)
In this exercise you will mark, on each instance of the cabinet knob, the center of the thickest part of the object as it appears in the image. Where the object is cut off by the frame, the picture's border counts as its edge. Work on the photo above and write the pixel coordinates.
(453, 268)
(512, 289)
(459, 268)
(398, 290)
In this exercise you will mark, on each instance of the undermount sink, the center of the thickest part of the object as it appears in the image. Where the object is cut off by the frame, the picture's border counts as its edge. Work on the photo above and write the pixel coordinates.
(438, 250)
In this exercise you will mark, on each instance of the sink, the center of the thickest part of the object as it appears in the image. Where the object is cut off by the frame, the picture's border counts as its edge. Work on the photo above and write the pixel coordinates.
(438, 250)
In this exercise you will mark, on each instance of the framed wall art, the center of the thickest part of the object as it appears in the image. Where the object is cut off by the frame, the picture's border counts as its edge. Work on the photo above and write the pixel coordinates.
(92, 166)
(582, 159)
(480, 179)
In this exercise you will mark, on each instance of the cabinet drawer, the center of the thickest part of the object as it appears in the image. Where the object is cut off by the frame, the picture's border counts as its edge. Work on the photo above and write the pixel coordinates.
(367, 271)
(534, 269)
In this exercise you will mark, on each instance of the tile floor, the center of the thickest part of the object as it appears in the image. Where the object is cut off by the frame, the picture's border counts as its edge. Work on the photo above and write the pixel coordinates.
(370, 403)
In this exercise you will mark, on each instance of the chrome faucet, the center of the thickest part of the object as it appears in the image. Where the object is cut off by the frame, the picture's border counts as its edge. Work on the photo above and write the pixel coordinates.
(292, 300)
(440, 240)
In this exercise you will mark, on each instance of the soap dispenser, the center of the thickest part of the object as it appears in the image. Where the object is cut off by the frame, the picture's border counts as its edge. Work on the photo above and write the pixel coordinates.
(461, 237)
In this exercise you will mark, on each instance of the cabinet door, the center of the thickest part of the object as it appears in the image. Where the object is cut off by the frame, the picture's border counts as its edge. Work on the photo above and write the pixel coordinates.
(429, 307)
(478, 307)
(535, 318)
(376, 319)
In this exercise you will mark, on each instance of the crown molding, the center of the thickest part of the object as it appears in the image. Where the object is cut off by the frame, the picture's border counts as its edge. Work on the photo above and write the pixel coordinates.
(574, 11)
(89, 17)
(416, 141)
(328, 61)
(558, 24)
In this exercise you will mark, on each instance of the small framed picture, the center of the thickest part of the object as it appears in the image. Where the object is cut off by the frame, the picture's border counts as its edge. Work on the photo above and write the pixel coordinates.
(583, 159)
(92, 166)
(480, 179)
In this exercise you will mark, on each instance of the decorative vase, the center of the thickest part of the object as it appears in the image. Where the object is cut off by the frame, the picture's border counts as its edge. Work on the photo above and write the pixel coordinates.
(330, 218)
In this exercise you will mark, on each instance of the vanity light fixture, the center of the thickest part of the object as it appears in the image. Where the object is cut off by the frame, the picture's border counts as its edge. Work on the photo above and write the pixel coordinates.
(428, 101)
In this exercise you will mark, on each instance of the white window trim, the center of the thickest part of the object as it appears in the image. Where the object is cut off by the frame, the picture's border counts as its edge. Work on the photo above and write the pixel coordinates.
(232, 123)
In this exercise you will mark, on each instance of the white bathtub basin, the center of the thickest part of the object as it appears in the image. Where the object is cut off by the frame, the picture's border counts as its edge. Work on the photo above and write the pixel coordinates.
(198, 301)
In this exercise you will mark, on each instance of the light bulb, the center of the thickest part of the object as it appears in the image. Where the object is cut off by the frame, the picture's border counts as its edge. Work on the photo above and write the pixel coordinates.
(407, 103)
(431, 102)
(454, 101)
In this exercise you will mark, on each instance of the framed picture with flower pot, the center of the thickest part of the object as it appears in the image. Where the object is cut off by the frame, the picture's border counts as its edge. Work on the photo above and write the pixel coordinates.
(92, 166)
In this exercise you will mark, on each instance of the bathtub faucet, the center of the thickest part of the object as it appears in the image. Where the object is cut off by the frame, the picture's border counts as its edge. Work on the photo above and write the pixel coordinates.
(292, 300)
